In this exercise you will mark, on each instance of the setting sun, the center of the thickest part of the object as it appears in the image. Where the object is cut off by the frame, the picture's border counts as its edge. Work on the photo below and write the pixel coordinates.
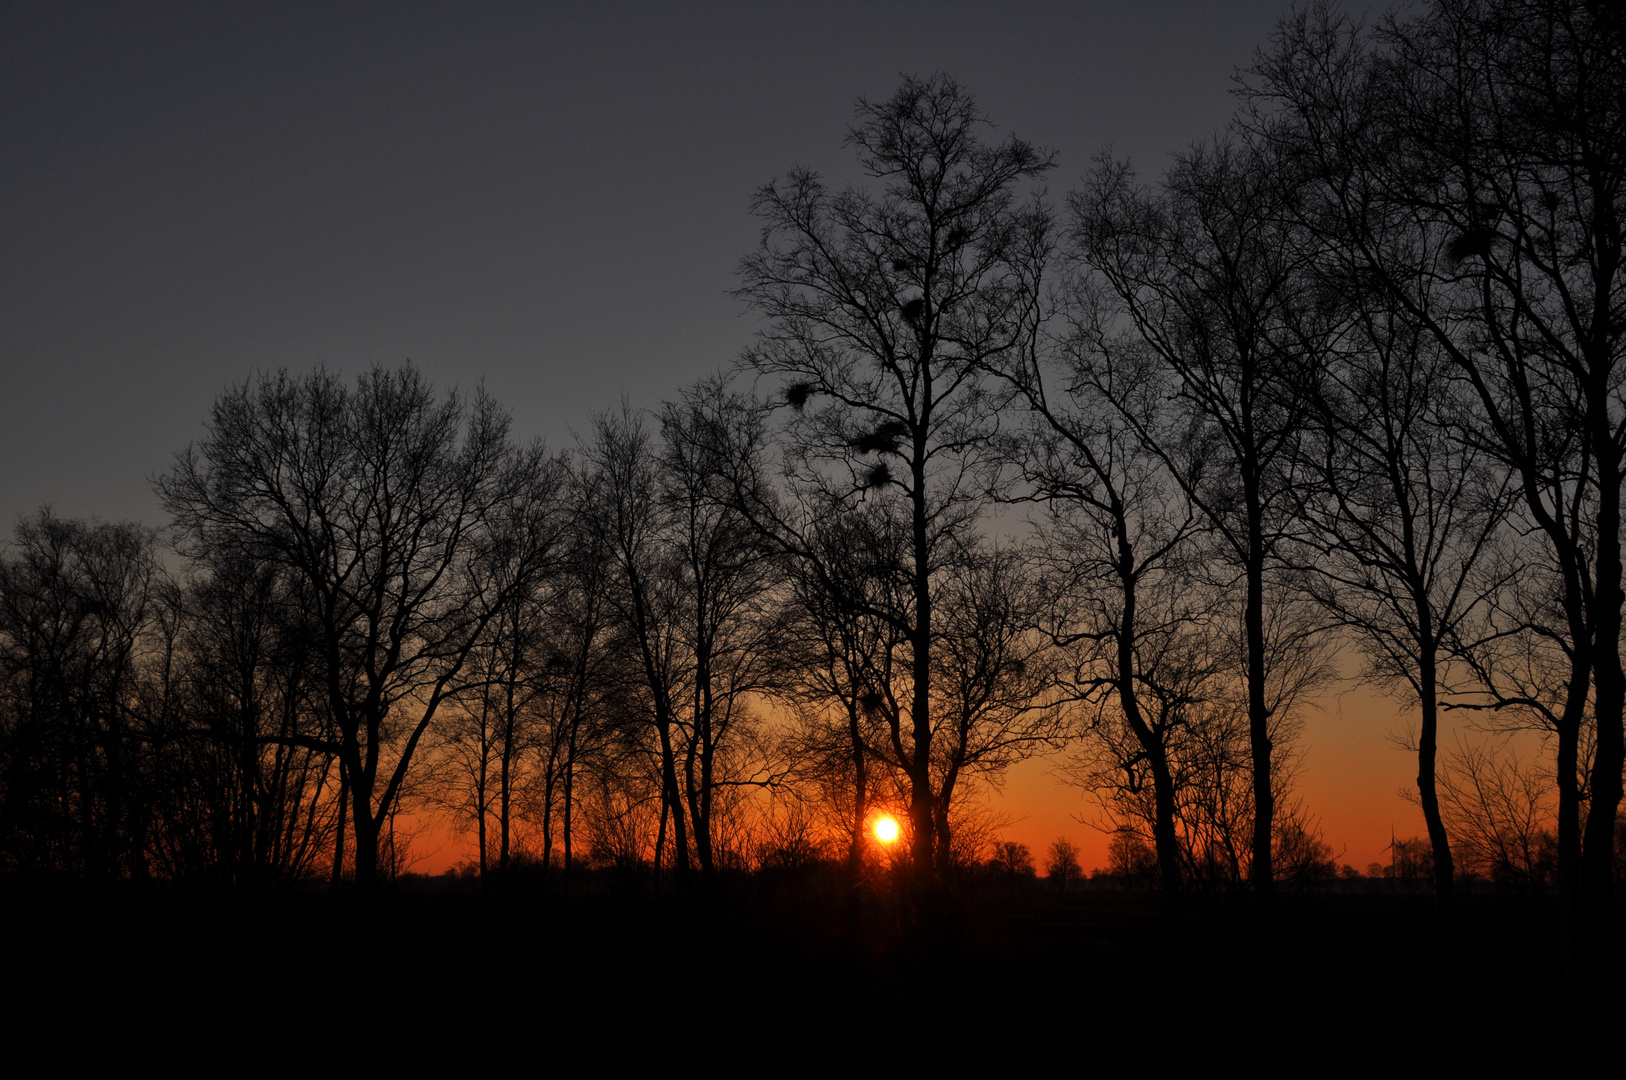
(886, 830)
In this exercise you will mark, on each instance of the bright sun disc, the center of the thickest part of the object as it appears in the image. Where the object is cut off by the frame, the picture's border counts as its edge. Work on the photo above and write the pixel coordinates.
(886, 830)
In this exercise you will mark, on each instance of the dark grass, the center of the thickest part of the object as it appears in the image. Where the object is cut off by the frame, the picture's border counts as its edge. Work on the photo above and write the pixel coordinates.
(772, 960)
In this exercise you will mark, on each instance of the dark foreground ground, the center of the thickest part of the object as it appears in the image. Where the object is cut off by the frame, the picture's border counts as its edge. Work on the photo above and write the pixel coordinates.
(786, 964)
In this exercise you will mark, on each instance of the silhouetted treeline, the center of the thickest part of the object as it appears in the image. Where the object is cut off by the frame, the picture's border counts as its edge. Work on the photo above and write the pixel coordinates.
(1346, 378)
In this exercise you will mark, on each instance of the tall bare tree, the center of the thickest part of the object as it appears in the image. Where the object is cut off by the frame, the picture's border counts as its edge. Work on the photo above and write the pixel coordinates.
(78, 601)
(408, 518)
(1472, 163)
(883, 311)
(1119, 539)
(1208, 276)
(1403, 512)
(581, 681)
(730, 582)
(252, 747)
(841, 654)
(623, 493)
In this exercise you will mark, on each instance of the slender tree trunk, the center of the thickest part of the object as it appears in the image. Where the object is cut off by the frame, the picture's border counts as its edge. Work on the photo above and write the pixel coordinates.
(921, 803)
(344, 809)
(1609, 682)
(480, 803)
(673, 798)
(855, 850)
(1264, 794)
(1427, 749)
(692, 798)
(570, 785)
(247, 767)
(549, 784)
(505, 788)
(1568, 763)
(945, 834)
(660, 833)
(366, 823)
(1164, 838)
(367, 830)
(1569, 834)
(702, 816)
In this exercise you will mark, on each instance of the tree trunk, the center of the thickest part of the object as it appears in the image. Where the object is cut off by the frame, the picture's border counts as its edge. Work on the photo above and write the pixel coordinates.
(1569, 837)
(1164, 838)
(672, 796)
(1609, 682)
(338, 842)
(1427, 748)
(367, 829)
(550, 782)
(505, 775)
(921, 803)
(1264, 794)
(855, 850)
(702, 818)
(480, 803)
(570, 785)
(660, 833)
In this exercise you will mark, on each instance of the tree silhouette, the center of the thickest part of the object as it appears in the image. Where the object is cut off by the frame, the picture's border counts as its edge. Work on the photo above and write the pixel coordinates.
(251, 755)
(1209, 275)
(882, 313)
(1119, 543)
(77, 604)
(409, 521)
(1061, 866)
(1403, 514)
(1471, 163)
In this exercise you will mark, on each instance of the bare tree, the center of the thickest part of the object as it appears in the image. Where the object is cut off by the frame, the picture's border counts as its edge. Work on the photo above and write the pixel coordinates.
(1502, 812)
(578, 705)
(252, 746)
(1208, 275)
(624, 495)
(1012, 860)
(840, 652)
(489, 736)
(998, 677)
(729, 582)
(1118, 539)
(1472, 162)
(78, 601)
(409, 520)
(883, 312)
(1403, 511)
(1061, 866)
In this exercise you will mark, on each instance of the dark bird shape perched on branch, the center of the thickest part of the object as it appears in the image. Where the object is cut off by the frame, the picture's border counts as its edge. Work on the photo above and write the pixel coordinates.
(883, 440)
(1468, 243)
(879, 476)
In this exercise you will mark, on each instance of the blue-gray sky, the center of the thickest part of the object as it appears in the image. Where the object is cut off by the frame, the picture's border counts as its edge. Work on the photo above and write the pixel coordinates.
(551, 198)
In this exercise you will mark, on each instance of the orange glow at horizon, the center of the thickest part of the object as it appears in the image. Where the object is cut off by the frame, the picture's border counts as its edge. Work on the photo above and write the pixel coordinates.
(886, 829)
(1351, 777)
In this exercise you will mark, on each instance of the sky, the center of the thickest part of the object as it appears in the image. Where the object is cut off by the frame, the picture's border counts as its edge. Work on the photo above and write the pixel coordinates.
(550, 200)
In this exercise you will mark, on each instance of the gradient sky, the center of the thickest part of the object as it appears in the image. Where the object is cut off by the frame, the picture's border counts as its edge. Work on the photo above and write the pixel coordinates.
(551, 199)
